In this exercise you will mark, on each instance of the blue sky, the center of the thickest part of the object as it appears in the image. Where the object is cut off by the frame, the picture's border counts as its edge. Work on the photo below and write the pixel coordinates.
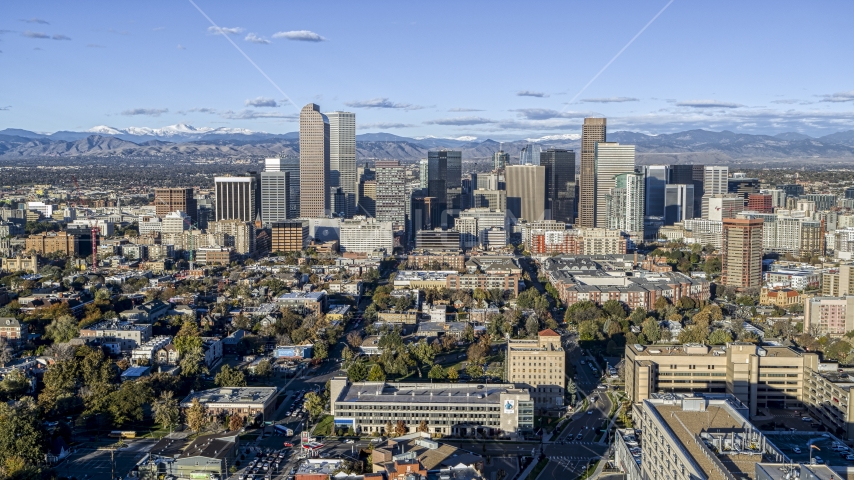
(491, 69)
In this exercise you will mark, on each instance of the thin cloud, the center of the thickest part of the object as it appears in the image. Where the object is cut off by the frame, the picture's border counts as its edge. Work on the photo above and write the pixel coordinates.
(157, 29)
(465, 110)
(708, 104)
(300, 36)
(460, 121)
(202, 110)
(181, 47)
(261, 102)
(94, 45)
(839, 97)
(225, 30)
(547, 113)
(256, 39)
(529, 93)
(35, 20)
(151, 112)
(253, 114)
(381, 102)
(118, 32)
(386, 125)
(610, 100)
(30, 34)
(60, 37)
(7, 107)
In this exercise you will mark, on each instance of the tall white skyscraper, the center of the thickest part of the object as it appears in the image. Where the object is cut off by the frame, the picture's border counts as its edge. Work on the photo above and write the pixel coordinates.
(625, 204)
(610, 160)
(342, 155)
(715, 180)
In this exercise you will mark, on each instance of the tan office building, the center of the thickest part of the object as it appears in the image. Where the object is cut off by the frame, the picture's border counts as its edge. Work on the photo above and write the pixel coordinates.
(760, 377)
(45, 243)
(526, 192)
(741, 255)
(539, 365)
(838, 283)
(314, 162)
(592, 132)
(289, 236)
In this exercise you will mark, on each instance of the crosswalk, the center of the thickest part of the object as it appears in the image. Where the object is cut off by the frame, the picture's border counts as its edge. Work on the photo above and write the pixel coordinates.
(572, 442)
(563, 459)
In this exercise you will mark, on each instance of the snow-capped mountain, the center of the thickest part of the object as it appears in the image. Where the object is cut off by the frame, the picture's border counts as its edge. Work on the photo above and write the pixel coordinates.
(172, 131)
(552, 138)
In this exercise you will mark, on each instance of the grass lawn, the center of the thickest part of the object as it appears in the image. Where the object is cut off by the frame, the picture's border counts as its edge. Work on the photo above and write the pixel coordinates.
(589, 471)
(324, 427)
(538, 469)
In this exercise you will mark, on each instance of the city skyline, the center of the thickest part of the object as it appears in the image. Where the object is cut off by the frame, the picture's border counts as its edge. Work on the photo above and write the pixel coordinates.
(697, 75)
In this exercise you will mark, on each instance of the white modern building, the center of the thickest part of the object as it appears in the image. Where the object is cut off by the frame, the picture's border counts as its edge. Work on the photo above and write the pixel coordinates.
(175, 222)
(611, 159)
(342, 156)
(364, 235)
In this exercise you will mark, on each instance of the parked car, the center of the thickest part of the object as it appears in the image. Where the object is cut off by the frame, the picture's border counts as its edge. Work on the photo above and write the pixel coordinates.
(796, 450)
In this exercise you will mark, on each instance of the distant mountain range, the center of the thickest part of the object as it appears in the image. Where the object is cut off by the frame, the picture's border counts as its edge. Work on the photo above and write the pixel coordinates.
(699, 146)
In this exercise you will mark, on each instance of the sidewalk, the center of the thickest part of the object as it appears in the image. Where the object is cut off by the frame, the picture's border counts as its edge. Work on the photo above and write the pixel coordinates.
(527, 471)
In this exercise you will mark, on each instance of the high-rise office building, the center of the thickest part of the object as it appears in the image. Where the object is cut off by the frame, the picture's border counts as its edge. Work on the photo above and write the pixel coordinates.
(423, 173)
(678, 203)
(500, 160)
(314, 162)
(342, 155)
(560, 183)
(625, 204)
(237, 198)
(368, 198)
(592, 132)
(530, 154)
(275, 194)
(290, 165)
(444, 181)
(391, 193)
(526, 196)
(741, 252)
(759, 202)
(611, 159)
(656, 177)
(690, 174)
(715, 182)
(167, 200)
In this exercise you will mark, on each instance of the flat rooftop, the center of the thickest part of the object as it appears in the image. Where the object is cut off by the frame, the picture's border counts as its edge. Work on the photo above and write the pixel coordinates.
(245, 395)
(377, 392)
(698, 350)
(687, 425)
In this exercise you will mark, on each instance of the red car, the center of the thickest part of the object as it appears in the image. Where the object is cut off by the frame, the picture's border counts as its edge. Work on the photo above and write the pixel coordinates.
(289, 444)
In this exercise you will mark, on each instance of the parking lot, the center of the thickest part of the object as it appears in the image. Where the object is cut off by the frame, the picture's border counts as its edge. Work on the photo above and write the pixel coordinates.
(787, 442)
(90, 462)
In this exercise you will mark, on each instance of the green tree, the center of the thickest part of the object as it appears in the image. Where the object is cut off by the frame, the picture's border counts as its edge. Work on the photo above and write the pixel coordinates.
(22, 436)
(166, 410)
(321, 350)
(126, 403)
(587, 330)
(651, 330)
(424, 355)
(314, 405)
(720, 337)
(263, 369)
(532, 326)
(376, 374)
(615, 308)
(230, 377)
(474, 370)
(14, 385)
(62, 329)
(572, 390)
(453, 374)
(437, 373)
(358, 372)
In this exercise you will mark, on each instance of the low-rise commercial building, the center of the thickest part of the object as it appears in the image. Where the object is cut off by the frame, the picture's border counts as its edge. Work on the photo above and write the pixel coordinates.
(125, 335)
(781, 297)
(448, 409)
(248, 402)
(309, 302)
(50, 242)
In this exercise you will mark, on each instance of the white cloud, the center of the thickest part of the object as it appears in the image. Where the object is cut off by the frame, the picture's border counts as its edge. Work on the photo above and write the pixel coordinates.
(529, 93)
(60, 37)
(254, 114)
(181, 47)
(224, 30)
(457, 109)
(256, 39)
(460, 121)
(381, 102)
(261, 102)
(30, 34)
(547, 113)
(708, 104)
(36, 20)
(300, 36)
(839, 97)
(610, 100)
(151, 112)
(385, 125)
